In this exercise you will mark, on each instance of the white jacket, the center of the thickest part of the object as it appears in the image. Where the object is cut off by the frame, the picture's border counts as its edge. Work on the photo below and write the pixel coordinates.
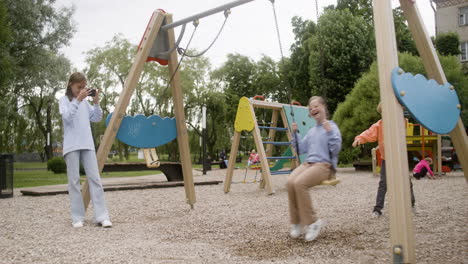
(76, 117)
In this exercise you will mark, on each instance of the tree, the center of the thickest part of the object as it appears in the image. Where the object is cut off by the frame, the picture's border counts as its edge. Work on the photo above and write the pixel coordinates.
(341, 51)
(360, 8)
(38, 31)
(235, 78)
(296, 69)
(5, 40)
(41, 103)
(448, 44)
(404, 39)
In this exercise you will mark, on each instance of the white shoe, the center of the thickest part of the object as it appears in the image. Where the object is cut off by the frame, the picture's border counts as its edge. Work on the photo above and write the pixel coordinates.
(376, 214)
(77, 224)
(106, 223)
(313, 230)
(296, 231)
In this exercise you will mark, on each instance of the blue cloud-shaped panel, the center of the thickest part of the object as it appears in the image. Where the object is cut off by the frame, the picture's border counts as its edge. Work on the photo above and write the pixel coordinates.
(146, 132)
(434, 106)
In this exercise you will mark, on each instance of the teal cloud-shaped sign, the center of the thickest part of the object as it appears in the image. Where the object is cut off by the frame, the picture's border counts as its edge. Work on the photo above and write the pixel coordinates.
(434, 106)
(146, 132)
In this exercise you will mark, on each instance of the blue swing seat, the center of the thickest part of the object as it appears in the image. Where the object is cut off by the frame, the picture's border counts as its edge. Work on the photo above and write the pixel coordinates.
(146, 132)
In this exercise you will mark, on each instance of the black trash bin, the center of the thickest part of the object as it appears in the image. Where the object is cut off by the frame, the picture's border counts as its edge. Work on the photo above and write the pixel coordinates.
(6, 175)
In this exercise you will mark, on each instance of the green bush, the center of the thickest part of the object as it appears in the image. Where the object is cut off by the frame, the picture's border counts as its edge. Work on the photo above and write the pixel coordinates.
(448, 44)
(57, 165)
(348, 155)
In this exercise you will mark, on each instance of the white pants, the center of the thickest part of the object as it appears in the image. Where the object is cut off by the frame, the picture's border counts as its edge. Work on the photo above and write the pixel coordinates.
(89, 161)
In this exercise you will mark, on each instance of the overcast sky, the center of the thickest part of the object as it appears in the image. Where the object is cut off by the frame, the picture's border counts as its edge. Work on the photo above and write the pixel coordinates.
(250, 29)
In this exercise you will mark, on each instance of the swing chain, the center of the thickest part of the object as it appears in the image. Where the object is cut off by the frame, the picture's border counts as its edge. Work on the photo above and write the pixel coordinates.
(282, 61)
(227, 12)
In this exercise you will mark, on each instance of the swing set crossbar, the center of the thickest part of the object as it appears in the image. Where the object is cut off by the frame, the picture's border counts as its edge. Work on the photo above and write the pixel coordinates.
(206, 13)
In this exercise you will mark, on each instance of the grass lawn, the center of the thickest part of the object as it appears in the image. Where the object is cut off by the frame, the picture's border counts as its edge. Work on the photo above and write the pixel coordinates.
(31, 178)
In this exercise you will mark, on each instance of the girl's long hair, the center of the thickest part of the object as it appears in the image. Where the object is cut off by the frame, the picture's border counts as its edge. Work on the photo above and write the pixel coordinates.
(76, 77)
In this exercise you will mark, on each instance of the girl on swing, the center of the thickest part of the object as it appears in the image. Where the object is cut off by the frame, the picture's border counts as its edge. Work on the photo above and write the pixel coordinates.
(321, 144)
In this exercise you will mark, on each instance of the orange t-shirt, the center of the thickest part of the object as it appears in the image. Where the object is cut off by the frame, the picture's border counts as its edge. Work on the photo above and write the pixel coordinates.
(373, 134)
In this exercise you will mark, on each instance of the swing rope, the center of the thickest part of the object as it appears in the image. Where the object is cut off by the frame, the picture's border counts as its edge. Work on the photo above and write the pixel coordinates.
(282, 62)
(183, 51)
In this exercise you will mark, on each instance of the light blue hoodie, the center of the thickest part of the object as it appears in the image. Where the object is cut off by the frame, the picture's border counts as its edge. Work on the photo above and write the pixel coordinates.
(320, 145)
(76, 116)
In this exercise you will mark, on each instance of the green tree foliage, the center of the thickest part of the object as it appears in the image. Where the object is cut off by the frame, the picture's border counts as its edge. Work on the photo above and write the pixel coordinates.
(38, 31)
(404, 39)
(358, 111)
(448, 44)
(341, 51)
(5, 39)
(361, 8)
(296, 69)
(235, 77)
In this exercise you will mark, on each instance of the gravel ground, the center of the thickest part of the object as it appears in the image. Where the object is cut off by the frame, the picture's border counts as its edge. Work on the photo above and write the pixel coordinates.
(244, 226)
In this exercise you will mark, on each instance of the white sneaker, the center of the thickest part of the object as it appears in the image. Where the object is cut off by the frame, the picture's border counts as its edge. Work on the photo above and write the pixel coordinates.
(376, 214)
(77, 224)
(296, 231)
(106, 223)
(313, 230)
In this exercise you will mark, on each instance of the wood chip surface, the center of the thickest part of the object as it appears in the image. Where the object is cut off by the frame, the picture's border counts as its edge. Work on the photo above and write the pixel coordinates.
(243, 226)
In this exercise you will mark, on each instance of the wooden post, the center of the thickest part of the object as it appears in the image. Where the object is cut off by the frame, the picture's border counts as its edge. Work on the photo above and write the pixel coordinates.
(262, 155)
(434, 71)
(232, 161)
(182, 133)
(401, 225)
(124, 98)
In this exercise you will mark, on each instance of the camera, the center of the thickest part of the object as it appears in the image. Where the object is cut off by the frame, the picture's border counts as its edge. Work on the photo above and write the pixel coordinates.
(92, 92)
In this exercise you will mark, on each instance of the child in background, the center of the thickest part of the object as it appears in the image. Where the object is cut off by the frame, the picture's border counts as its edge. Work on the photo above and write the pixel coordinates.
(375, 133)
(422, 168)
(321, 144)
(78, 146)
(253, 158)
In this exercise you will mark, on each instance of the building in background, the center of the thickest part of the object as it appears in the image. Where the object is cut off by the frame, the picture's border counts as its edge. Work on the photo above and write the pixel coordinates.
(452, 16)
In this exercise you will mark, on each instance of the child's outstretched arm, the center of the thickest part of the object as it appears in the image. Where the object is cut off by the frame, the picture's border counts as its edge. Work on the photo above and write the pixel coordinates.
(429, 169)
(370, 135)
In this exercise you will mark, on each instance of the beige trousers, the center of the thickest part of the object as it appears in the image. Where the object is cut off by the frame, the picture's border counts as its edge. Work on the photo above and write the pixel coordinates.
(299, 181)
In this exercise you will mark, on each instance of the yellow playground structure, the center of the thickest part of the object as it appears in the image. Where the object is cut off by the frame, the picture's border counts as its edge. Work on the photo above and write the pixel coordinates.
(246, 120)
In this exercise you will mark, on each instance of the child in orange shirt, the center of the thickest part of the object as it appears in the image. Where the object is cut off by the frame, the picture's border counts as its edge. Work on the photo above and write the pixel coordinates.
(375, 133)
